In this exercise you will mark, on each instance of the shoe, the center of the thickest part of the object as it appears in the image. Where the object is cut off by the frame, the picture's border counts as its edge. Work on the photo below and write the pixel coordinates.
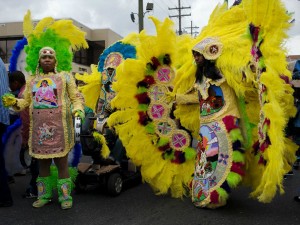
(41, 202)
(30, 194)
(297, 198)
(290, 173)
(66, 204)
(8, 203)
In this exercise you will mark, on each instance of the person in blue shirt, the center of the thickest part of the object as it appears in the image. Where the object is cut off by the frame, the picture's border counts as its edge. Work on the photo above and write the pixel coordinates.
(5, 194)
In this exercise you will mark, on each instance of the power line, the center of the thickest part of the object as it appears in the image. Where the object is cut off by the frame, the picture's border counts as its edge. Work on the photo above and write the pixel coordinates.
(156, 3)
(192, 29)
(179, 8)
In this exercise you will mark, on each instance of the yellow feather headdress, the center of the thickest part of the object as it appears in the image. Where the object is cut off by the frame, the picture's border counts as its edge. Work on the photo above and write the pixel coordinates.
(61, 35)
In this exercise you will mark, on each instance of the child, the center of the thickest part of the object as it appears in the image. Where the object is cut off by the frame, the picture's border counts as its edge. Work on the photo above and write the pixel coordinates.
(17, 82)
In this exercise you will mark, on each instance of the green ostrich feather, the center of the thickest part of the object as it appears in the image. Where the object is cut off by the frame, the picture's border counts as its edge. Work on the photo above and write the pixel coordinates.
(238, 157)
(190, 153)
(223, 195)
(49, 38)
(233, 179)
(143, 107)
(236, 135)
(150, 128)
(163, 142)
(142, 90)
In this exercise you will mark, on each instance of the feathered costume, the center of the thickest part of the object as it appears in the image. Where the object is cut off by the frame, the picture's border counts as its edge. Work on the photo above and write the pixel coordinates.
(241, 124)
(60, 35)
(49, 98)
(97, 85)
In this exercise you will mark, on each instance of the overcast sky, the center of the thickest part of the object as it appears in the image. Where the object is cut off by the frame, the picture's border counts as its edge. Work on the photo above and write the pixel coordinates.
(115, 14)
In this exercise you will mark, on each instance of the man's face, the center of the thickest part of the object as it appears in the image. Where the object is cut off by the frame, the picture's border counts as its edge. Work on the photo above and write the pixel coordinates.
(110, 71)
(199, 58)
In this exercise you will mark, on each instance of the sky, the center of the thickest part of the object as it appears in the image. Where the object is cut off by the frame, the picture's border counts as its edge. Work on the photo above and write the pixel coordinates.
(115, 14)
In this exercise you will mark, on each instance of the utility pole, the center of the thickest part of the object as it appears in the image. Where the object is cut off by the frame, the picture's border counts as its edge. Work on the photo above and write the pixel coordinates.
(180, 15)
(193, 27)
(141, 15)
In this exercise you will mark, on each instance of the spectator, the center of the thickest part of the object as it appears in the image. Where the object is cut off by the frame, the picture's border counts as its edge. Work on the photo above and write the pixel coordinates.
(5, 194)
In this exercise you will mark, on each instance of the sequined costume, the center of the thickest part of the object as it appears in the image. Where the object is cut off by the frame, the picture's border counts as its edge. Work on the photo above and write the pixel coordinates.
(51, 130)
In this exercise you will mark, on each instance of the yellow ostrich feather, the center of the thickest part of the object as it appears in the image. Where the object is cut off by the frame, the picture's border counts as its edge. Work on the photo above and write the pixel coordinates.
(42, 25)
(66, 29)
(91, 89)
(230, 27)
(101, 140)
(272, 19)
(27, 25)
(63, 28)
(163, 175)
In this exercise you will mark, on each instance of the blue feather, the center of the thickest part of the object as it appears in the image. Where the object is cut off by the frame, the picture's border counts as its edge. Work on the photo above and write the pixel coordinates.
(126, 50)
(76, 155)
(15, 54)
(10, 129)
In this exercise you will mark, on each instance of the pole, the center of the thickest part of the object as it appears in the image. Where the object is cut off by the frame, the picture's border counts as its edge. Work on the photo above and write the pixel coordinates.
(141, 16)
(179, 17)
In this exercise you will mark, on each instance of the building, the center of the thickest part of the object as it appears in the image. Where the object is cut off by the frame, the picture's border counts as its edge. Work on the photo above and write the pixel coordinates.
(292, 59)
(98, 40)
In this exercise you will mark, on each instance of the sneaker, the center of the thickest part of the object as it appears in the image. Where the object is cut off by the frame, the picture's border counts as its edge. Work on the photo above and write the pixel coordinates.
(290, 173)
(30, 193)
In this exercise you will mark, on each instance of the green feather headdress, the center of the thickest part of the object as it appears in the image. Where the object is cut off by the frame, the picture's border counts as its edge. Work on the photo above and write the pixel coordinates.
(62, 35)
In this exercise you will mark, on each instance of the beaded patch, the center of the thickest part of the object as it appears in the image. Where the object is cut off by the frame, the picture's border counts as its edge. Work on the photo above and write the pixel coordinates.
(157, 92)
(213, 160)
(214, 103)
(41, 188)
(113, 60)
(164, 75)
(65, 191)
(44, 94)
(45, 132)
(180, 140)
(164, 127)
(158, 111)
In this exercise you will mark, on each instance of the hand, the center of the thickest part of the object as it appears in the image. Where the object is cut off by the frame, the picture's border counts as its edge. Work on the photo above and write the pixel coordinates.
(9, 100)
(80, 114)
(170, 96)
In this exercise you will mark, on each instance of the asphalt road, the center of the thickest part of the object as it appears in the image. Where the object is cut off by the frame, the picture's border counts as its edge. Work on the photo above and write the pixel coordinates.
(139, 206)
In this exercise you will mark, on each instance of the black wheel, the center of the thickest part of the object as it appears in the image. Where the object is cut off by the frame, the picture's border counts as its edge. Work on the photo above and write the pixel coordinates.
(114, 184)
(80, 186)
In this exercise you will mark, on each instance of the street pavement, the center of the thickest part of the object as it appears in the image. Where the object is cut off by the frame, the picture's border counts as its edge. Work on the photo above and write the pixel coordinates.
(138, 205)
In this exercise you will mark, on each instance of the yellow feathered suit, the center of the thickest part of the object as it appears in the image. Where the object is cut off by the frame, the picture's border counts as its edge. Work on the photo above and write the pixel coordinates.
(244, 43)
